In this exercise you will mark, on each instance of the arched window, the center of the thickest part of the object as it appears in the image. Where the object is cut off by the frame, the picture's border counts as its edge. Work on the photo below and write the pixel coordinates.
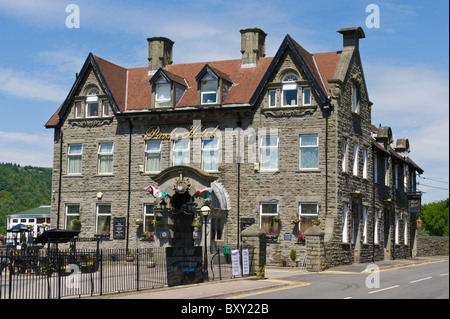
(290, 90)
(92, 102)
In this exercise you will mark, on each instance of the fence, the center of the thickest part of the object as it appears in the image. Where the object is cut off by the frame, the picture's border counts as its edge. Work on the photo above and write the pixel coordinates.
(61, 274)
(56, 274)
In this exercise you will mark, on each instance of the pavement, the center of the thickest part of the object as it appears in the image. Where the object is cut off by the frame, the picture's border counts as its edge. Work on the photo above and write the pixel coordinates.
(275, 280)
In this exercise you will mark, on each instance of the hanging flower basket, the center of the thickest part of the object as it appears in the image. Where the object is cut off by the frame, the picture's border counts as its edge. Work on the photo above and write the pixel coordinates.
(197, 223)
(158, 221)
(139, 222)
(316, 222)
(276, 219)
(295, 221)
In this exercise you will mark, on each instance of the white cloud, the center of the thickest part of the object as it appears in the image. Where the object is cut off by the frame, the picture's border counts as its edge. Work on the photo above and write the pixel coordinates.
(26, 149)
(26, 86)
(414, 102)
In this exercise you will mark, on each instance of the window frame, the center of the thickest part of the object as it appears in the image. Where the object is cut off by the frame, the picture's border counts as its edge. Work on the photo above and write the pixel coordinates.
(70, 157)
(216, 150)
(355, 99)
(161, 103)
(149, 212)
(267, 215)
(272, 98)
(345, 224)
(186, 150)
(102, 215)
(204, 81)
(303, 96)
(263, 148)
(102, 155)
(147, 154)
(92, 99)
(355, 160)
(289, 84)
(302, 147)
(308, 215)
(76, 215)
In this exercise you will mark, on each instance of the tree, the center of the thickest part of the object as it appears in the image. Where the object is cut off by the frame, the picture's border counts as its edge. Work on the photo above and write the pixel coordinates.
(435, 217)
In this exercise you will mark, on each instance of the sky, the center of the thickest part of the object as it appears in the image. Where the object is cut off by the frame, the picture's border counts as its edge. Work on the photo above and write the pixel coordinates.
(405, 59)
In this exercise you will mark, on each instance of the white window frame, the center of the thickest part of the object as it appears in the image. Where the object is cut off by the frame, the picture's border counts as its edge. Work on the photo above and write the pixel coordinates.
(102, 154)
(149, 213)
(303, 96)
(397, 234)
(78, 113)
(92, 99)
(300, 214)
(71, 157)
(272, 97)
(105, 108)
(355, 160)
(386, 171)
(345, 224)
(261, 214)
(102, 214)
(364, 163)
(184, 150)
(209, 150)
(355, 99)
(302, 147)
(344, 156)
(405, 230)
(262, 149)
(364, 219)
(289, 84)
(206, 79)
(71, 214)
(155, 151)
(163, 102)
(375, 228)
(405, 179)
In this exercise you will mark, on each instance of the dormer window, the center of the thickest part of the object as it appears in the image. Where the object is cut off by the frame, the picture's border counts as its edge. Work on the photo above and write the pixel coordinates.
(163, 93)
(209, 87)
(290, 90)
(92, 103)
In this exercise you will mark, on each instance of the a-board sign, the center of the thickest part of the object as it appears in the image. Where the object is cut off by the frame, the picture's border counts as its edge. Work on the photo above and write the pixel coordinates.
(119, 225)
(184, 265)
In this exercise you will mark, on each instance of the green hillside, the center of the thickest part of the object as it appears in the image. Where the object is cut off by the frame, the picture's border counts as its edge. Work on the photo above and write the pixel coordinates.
(22, 188)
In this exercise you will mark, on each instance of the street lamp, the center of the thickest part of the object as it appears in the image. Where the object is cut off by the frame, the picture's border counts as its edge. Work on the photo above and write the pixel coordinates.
(205, 210)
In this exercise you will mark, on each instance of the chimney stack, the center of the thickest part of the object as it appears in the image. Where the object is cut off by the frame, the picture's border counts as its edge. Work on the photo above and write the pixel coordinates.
(351, 36)
(159, 53)
(253, 46)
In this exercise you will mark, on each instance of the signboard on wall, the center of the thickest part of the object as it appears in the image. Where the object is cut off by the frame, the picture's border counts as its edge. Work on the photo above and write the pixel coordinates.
(119, 224)
(184, 265)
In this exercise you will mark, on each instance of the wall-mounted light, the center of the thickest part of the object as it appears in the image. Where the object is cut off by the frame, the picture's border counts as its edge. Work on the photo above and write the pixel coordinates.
(99, 195)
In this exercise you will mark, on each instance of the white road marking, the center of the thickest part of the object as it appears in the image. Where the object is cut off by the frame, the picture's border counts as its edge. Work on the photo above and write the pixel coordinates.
(411, 282)
(372, 292)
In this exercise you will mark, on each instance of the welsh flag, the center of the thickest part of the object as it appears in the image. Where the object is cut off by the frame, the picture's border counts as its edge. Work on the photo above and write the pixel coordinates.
(156, 192)
(203, 193)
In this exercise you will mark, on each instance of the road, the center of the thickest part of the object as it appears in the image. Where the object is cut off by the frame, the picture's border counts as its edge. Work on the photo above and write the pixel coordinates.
(423, 281)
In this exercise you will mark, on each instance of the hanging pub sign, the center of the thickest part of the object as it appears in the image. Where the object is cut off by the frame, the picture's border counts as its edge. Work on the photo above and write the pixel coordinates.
(414, 203)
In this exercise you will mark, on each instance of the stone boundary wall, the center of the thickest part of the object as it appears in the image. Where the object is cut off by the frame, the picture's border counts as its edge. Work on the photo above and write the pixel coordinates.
(432, 246)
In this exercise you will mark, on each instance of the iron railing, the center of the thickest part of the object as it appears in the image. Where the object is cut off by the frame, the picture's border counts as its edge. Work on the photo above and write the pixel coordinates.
(60, 274)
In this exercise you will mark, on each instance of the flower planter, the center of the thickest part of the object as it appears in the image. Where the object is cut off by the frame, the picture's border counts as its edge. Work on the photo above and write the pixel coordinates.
(129, 259)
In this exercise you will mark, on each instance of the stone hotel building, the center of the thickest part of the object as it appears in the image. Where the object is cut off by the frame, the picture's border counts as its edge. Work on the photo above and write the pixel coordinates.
(281, 142)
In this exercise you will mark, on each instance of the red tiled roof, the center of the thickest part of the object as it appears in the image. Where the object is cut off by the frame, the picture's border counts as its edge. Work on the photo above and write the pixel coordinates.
(327, 63)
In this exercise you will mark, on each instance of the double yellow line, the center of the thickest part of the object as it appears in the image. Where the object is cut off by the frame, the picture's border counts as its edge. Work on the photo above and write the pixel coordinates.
(295, 284)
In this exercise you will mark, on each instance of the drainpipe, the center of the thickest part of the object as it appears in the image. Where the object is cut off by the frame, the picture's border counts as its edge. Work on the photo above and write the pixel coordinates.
(60, 176)
(238, 160)
(130, 125)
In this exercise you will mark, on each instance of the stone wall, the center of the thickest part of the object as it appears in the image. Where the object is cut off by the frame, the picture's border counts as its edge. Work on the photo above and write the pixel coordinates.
(432, 246)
